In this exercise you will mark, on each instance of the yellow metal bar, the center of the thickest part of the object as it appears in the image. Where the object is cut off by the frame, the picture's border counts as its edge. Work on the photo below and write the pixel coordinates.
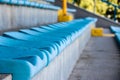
(64, 7)
(108, 35)
(98, 32)
(63, 16)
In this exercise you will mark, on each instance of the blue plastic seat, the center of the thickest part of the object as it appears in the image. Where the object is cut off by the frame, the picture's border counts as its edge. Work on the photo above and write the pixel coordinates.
(68, 31)
(51, 0)
(58, 43)
(71, 10)
(50, 48)
(40, 30)
(33, 4)
(37, 5)
(21, 2)
(44, 43)
(14, 2)
(23, 63)
(27, 3)
(5, 1)
(117, 37)
(32, 36)
(59, 36)
(115, 29)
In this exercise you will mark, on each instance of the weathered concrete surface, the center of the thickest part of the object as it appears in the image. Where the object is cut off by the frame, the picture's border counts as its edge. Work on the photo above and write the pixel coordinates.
(5, 77)
(18, 17)
(100, 60)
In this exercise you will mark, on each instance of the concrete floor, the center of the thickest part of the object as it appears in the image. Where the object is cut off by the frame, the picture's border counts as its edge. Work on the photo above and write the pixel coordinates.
(100, 60)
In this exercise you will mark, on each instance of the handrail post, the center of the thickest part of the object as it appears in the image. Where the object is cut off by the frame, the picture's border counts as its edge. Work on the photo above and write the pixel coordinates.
(64, 7)
(115, 12)
(63, 16)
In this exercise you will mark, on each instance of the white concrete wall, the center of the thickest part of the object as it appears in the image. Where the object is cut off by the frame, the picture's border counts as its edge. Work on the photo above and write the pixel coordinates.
(17, 17)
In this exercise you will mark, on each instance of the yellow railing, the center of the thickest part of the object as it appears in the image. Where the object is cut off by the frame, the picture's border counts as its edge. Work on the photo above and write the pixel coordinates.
(64, 6)
(63, 15)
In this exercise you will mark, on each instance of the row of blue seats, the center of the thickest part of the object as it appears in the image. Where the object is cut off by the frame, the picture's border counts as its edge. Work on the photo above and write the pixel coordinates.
(33, 4)
(116, 31)
(28, 51)
(51, 0)
(29, 4)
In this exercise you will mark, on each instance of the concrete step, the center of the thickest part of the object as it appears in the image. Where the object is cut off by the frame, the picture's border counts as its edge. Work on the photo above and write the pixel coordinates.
(100, 60)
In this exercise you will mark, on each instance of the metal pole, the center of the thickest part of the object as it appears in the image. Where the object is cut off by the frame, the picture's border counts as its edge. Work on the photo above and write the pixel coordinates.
(115, 12)
(64, 7)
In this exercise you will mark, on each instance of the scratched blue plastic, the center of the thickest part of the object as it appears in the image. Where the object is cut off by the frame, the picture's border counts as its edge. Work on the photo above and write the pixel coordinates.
(62, 42)
(35, 48)
(49, 47)
(115, 29)
(23, 62)
(60, 32)
(117, 37)
(57, 43)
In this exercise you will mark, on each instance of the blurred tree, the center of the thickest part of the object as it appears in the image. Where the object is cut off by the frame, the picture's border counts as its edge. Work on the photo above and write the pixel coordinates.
(118, 16)
(118, 2)
(99, 7)
(113, 1)
(76, 2)
(87, 4)
(110, 12)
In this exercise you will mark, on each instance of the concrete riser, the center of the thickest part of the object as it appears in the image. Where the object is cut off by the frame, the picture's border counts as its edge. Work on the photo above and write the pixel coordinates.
(17, 17)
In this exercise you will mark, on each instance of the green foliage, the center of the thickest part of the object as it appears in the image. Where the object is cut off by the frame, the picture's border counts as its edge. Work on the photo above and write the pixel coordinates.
(99, 7)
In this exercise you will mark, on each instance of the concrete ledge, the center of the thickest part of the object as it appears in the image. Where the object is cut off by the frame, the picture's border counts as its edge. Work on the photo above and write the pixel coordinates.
(17, 17)
(5, 77)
